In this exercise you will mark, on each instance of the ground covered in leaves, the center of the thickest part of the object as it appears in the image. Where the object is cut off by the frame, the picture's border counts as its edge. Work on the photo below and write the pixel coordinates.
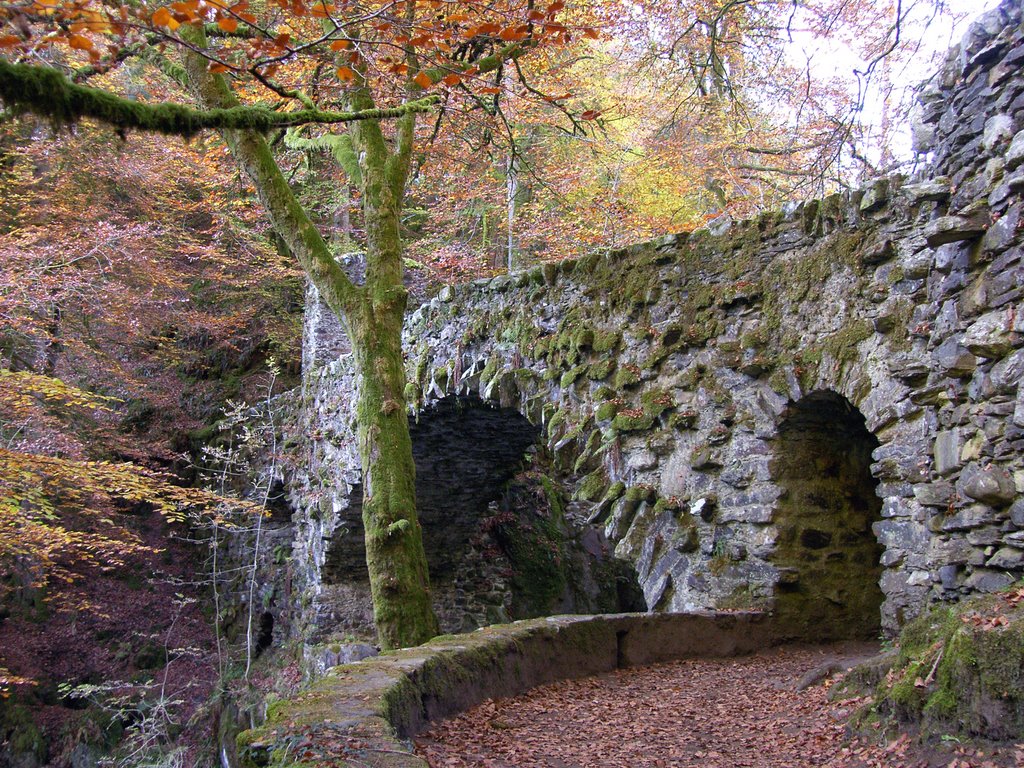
(713, 713)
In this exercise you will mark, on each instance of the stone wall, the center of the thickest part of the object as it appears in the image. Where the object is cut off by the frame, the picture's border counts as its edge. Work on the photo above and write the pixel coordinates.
(673, 382)
(360, 714)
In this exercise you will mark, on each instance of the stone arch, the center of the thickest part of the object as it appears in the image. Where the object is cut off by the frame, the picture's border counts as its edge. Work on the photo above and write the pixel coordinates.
(465, 450)
(826, 553)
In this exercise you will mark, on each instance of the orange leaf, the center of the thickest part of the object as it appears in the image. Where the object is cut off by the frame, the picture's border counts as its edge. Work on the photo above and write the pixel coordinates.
(490, 28)
(592, 33)
(228, 23)
(511, 34)
(345, 74)
(322, 10)
(341, 45)
(162, 18)
(422, 79)
(451, 80)
(217, 67)
(590, 114)
(6, 41)
(555, 7)
(80, 43)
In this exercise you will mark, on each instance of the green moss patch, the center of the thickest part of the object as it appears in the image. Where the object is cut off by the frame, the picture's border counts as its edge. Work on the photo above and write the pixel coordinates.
(960, 669)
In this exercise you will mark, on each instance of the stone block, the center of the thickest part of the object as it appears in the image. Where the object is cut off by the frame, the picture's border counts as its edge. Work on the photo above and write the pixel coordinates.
(1017, 513)
(974, 516)
(946, 452)
(1015, 152)
(955, 229)
(1008, 373)
(931, 190)
(990, 485)
(951, 256)
(984, 580)
(901, 534)
(954, 359)
(1003, 232)
(875, 196)
(998, 131)
(953, 549)
(990, 336)
(948, 576)
(985, 536)
(936, 494)
(1008, 558)
(641, 460)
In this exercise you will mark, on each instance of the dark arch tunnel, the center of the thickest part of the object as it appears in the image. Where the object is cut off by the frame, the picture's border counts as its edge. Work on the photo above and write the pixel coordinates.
(466, 450)
(826, 552)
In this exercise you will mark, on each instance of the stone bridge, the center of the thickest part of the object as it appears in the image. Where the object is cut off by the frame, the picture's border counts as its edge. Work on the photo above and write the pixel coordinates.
(817, 412)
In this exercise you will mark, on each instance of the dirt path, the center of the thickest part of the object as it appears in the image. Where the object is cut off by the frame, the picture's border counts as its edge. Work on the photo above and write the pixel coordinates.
(706, 713)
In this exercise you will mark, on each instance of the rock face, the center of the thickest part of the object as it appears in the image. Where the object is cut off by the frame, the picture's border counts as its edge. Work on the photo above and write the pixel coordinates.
(818, 410)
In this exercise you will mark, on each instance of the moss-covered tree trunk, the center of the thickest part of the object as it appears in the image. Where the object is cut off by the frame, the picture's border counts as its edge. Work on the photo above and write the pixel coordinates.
(372, 314)
(394, 540)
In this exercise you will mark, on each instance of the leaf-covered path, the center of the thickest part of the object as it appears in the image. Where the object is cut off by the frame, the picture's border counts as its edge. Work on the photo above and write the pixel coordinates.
(712, 713)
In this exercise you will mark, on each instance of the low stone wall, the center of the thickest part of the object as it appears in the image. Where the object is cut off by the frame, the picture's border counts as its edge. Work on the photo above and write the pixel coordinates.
(359, 714)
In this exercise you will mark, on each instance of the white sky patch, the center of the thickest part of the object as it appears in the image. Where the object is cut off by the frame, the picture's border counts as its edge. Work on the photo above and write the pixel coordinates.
(890, 96)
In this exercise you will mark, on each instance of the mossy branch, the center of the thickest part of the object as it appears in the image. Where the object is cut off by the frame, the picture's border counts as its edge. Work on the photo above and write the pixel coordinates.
(48, 93)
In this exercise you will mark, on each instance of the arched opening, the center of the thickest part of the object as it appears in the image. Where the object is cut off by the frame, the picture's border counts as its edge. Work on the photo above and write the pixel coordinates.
(826, 553)
(466, 451)
(265, 636)
(500, 541)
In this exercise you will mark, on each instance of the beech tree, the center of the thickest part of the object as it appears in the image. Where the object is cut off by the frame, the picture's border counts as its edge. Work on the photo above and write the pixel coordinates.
(255, 70)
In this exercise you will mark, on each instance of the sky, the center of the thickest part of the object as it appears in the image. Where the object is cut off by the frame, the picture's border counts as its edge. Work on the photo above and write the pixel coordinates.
(939, 34)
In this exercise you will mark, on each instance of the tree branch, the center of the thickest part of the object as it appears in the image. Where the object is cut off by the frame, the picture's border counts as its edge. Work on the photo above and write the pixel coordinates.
(46, 92)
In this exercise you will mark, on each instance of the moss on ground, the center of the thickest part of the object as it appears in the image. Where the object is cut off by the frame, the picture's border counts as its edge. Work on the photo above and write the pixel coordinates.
(960, 669)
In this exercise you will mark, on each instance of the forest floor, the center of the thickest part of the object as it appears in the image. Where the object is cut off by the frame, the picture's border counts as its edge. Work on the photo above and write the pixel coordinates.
(744, 712)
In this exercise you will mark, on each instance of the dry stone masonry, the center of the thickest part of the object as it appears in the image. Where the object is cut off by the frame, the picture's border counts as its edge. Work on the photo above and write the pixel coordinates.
(818, 411)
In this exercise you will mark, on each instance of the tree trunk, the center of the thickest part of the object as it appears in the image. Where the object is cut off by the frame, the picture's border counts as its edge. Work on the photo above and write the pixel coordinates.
(394, 543)
(373, 315)
(511, 199)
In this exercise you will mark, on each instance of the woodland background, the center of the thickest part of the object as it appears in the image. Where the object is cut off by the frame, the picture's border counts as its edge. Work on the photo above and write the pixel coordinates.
(143, 294)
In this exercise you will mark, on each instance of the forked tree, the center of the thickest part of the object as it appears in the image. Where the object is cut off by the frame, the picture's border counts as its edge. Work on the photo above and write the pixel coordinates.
(255, 69)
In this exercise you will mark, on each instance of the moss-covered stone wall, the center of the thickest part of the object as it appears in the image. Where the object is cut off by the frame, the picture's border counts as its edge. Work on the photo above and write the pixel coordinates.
(660, 374)
(360, 714)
